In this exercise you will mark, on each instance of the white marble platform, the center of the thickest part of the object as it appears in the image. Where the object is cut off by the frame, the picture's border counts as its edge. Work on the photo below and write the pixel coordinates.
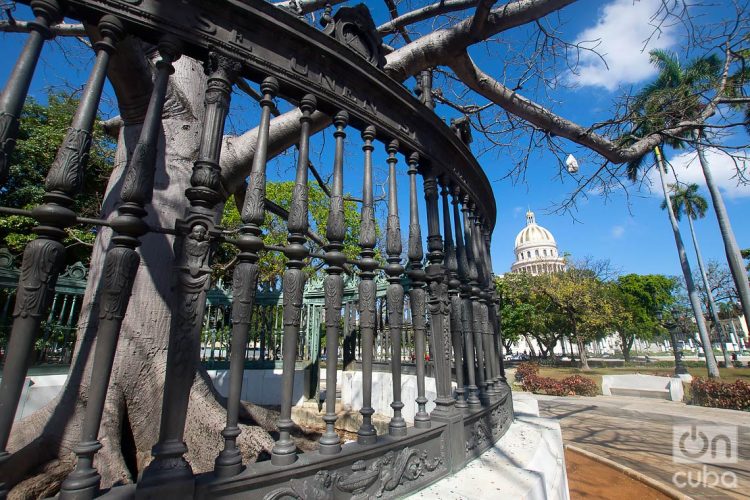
(527, 463)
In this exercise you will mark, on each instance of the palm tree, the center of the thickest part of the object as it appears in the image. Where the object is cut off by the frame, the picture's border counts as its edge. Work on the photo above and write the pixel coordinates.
(676, 96)
(652, 111)
(687, 200)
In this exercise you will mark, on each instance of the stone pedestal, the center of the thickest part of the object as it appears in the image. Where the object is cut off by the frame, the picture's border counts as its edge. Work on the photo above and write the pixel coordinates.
(528, 462)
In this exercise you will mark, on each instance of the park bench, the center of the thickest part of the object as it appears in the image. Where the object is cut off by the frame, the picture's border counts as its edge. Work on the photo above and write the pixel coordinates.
(643, 386)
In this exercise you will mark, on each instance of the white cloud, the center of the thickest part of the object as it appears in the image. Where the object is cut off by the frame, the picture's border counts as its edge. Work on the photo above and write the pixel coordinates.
(617, 232)
(619, 35)
(723, 167)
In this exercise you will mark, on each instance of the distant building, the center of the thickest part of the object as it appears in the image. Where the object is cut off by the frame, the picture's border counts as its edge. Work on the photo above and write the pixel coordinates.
(536, 250)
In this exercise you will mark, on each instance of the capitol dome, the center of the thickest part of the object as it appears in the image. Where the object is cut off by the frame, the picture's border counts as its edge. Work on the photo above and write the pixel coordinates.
(536, 250)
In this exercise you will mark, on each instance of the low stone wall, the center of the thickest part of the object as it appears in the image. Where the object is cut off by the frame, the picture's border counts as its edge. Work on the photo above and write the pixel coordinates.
(643, 386)
(382, 393)
(37, 392)
(258, 386)
(263, 387)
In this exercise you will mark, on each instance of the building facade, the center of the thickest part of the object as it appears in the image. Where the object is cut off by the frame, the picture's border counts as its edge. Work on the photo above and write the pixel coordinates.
(536, 250)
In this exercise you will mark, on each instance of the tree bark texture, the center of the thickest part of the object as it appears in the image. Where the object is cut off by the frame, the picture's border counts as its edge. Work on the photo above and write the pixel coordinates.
(42, 443)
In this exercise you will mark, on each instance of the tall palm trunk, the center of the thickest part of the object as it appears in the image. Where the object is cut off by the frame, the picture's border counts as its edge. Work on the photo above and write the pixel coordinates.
(734, 258)
(711, 304)
(713, 369)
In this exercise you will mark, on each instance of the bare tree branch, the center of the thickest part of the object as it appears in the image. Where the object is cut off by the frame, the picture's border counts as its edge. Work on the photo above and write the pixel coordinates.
(432, 10)
(306, 6)
(439, 47)
(63, 29)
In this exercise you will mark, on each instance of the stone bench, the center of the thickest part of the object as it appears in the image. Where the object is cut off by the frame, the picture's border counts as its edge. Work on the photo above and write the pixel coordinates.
(643, 386)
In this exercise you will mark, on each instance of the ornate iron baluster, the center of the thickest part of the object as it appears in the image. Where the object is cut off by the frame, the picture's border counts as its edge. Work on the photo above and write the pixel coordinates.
(476, 312)
(493, 312)
(367, 290)
(451, 266)
(120, 267)
(43, 257)
(395, 294)
(193, 251)
(477, 244)
(245, 282)
(47, 12)
(438, 300)
(283, 452)
(334, 284)
(489, 298)
(466, 309)
(416, 292)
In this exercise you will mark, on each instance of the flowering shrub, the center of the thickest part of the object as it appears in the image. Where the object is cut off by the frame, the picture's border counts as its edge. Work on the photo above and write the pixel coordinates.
(733, 396)
(526, 369)
(580, 385)
(575, 385)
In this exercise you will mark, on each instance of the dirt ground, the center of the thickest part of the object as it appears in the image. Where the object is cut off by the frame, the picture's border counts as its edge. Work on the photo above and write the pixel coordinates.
(589, 479)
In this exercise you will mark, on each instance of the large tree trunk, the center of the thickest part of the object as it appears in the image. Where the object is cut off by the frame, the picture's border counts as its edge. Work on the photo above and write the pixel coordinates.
(711, 366)
(584, 359)
(734, 258)
(42, 443)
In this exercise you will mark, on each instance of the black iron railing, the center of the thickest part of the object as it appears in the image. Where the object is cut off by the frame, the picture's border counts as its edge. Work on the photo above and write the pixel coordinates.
(451, 299)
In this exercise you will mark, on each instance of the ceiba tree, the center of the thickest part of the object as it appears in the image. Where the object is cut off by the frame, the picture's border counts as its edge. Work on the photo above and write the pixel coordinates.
(42, 443)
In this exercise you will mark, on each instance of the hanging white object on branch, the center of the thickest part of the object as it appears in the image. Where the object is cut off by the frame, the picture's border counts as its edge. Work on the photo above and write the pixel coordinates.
(572, 164)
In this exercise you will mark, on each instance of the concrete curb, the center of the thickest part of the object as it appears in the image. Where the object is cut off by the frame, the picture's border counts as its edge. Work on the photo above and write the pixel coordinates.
(657, 485)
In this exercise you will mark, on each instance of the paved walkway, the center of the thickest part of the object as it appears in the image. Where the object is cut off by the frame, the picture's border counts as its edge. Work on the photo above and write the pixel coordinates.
(637, 433)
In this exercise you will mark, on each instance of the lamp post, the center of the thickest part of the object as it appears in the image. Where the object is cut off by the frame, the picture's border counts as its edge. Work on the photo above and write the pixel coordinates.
(668, 321)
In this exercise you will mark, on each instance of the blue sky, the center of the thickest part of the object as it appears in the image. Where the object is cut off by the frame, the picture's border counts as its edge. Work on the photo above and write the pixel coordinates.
(626, 227)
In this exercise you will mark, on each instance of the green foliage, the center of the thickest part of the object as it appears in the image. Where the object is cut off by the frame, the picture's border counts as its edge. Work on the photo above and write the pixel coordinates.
(686, 200)
(275, 231)
(41, 132)
(525, 310)
(639, 300)
(583, 301)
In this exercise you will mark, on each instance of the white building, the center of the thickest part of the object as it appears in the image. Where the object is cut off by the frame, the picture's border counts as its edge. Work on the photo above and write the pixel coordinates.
(536, 250)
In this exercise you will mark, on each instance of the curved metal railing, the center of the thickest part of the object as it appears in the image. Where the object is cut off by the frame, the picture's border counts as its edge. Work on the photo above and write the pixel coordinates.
(335, 74)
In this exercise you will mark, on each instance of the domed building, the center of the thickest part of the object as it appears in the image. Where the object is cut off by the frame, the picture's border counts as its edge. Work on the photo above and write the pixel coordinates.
(536, 250)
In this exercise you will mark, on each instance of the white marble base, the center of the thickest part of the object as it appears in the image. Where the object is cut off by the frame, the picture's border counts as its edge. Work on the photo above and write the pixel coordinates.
(37, 392)
(261, 387)
(527, 463)
(643, 386)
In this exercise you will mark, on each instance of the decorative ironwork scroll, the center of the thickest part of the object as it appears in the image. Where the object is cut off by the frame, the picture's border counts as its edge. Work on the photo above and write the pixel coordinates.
(47, 13)
(43, 257)
(193, 252)
(468, 274)
(334, 285)
(120, 267)
(367, 289)
(453, 298)
(283, 452)
(395, 294)
(438, 295)
(245, 282)
(416, 292)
